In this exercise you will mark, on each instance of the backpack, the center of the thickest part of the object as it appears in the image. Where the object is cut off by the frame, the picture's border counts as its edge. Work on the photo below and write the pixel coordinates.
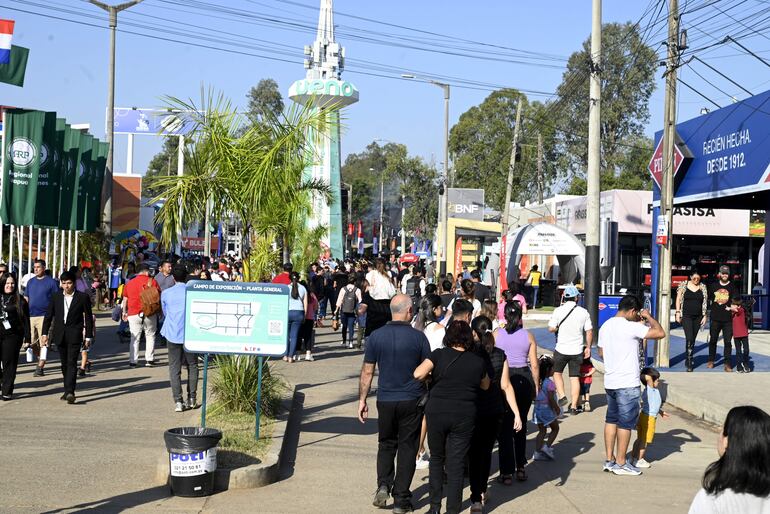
(413, 287)
(150, 298)
(349, 300)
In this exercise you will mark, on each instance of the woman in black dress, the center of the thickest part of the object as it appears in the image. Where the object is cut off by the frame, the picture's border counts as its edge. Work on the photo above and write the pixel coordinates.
(14, 331)
(691, 300)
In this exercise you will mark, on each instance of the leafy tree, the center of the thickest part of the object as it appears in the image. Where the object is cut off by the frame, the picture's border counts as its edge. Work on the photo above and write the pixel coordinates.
(481, 143)
(633, 170)
(164, 163)
(255, 174)
(264, 98)
(628, 81)
(418, 188)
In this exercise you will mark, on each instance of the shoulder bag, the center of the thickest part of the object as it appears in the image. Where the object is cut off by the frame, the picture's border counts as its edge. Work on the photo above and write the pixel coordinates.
(556, 334)
(423, 401)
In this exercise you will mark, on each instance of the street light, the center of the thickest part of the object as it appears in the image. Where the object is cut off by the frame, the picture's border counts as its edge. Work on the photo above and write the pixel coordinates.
(443, 202)
(113, 11)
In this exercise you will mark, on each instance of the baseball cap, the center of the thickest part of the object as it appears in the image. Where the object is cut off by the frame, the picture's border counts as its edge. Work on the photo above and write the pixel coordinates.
(571, 292)
(724, 269)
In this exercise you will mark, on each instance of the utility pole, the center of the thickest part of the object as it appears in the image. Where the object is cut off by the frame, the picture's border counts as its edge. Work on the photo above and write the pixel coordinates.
(509, 185)
(539, 168)
(667, 188)
(593, 275)
(444, 205)
(113, 11)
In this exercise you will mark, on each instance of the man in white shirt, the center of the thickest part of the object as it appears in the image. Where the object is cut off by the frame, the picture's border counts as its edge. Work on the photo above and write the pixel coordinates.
(619, 340)
(574, 334)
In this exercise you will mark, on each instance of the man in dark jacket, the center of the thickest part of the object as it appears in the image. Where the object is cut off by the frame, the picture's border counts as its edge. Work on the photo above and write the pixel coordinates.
(69, 312)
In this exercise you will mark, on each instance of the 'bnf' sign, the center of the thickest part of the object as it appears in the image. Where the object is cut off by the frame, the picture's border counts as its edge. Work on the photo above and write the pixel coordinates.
(466, 203)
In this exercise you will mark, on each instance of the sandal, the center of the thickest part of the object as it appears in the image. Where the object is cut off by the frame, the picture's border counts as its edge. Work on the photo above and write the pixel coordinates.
(505, 479)
(521, 475)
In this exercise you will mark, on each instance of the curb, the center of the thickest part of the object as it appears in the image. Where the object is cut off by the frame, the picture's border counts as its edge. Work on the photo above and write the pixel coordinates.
(255, 475)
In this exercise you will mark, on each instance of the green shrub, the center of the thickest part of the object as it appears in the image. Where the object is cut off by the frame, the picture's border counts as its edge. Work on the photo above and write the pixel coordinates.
(234, 385)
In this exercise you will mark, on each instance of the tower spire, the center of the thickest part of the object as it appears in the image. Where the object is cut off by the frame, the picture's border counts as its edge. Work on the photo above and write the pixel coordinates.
(326, 58)
(326, 22)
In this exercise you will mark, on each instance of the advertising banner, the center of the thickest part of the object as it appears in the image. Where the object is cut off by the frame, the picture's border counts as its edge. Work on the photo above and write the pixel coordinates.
(23, 147)
(152, 122)
(47, 201)
(458, 257)
(236, 318)
(82, 181)
(68, 194)
(466, 203)
(93, 203)
(729, 149)
(126, 202)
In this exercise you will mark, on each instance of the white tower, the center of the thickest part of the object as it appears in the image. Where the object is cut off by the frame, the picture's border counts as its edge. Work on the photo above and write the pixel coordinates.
(323, 89)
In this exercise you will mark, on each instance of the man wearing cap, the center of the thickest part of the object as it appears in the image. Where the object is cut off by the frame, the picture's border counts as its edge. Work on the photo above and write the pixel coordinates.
(720, 316)
(574, 333)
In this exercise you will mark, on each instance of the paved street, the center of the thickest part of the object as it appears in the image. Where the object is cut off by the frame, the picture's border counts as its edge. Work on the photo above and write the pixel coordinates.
(101, 453)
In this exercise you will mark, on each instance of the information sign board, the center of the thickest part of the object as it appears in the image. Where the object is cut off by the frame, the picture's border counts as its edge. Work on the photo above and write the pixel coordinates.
(236, 318)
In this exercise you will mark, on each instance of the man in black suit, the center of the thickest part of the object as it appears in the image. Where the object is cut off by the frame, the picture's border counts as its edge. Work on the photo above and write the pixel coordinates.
(70, 312)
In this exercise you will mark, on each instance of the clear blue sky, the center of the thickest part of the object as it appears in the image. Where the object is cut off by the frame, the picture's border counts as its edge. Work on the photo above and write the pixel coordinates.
(67, 71)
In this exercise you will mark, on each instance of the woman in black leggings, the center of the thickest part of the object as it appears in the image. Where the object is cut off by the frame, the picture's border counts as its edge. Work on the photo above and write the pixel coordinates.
(14, 330)
(691, 311)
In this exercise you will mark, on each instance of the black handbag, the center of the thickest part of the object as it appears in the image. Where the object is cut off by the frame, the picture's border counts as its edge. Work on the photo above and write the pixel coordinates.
(423, 401)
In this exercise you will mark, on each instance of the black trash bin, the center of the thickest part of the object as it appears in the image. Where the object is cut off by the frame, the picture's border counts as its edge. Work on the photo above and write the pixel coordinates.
(192, 460)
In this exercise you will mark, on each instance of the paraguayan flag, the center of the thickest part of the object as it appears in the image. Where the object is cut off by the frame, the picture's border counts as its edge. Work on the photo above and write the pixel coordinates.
(6, 33)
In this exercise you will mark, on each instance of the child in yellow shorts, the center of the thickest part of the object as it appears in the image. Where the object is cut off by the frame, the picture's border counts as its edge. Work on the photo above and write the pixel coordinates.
(651, 408)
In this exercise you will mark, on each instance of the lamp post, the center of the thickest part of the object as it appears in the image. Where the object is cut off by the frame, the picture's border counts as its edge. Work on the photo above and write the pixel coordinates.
(113, 11)
(443, 208)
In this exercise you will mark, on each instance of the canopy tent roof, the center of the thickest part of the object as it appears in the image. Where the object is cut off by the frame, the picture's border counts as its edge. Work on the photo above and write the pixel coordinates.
(546, 239)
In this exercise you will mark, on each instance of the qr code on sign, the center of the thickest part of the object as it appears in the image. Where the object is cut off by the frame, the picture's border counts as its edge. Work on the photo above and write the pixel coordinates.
(275, 327)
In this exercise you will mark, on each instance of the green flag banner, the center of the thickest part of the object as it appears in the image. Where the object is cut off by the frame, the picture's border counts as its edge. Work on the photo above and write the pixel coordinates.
(13, 72)
(47, 206)
(23, 148)
(94, 209)
(68, 191)
(83, 180)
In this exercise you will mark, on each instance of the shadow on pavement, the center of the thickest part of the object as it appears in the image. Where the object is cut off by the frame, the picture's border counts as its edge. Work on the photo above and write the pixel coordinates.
(341, 425)
(118, 503)
(668, 443)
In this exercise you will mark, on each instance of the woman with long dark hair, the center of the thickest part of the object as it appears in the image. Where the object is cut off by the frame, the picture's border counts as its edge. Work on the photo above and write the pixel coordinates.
(458, 376)
(740, 480)
(297, 309)
(14, 331)
(427, 320)
(489, 410)
(468, 292)
(521, 353)
(691, 304)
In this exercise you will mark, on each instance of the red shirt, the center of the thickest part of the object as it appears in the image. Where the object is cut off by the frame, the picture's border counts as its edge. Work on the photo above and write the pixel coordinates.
(586, 368)
(282, 278)
(739, 323)
(133, 289)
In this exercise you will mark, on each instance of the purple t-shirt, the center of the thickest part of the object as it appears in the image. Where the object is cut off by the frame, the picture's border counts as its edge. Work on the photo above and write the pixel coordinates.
(515, 346)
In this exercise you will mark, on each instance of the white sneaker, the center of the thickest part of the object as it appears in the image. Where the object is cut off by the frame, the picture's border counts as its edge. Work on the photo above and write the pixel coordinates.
(548, 451)
(423, 461)
(540, 455)
(350, 346)
(309, 357)
(179, 407)
(608, 465)
(641, 463)
(626, 469)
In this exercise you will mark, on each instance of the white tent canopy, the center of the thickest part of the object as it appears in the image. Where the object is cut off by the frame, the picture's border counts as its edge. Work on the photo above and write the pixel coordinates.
(546, 239)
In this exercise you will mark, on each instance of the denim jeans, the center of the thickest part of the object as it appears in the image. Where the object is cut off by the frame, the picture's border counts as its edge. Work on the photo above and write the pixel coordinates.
(322, 307)
(623, 407)
(296, 319)
(348, 321)
(535, 290)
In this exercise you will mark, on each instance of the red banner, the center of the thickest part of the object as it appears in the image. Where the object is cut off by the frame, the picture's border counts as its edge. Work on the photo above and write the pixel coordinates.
(458, 257)
(503, 264)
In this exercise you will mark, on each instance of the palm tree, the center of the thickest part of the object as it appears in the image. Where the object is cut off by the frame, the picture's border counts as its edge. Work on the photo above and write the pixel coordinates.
(254, 171)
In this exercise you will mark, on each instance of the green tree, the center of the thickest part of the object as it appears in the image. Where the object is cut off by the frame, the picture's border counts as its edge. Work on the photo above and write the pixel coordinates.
(628, 81)
(163, 163)
(255, 173)
(481, 141)
(264, 99)
(633, 172)
(418, 187)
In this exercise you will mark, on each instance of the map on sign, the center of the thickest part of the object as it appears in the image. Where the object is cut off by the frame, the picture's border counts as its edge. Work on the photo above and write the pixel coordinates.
(236, 317)
(225, 318)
